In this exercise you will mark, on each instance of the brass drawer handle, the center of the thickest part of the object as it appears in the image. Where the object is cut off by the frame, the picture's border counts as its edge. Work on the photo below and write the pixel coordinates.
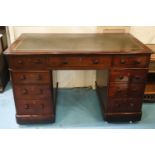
(122, 61)
(22, 77)
(24, 91)
(137, 77)
(131, 104)
(137, 62)
(20, 62)
(117, 105)
(95, 61)
(121, 77)
(64, 61)
(119, 90)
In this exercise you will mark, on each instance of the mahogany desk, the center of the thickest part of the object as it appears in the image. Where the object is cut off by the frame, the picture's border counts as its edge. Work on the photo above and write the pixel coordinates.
(33, 57)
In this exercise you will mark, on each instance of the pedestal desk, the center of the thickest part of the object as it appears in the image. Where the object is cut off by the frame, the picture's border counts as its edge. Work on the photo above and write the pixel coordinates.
(33, 57)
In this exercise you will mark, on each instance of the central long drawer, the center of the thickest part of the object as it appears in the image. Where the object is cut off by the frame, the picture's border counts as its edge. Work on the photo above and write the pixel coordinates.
(44, 62)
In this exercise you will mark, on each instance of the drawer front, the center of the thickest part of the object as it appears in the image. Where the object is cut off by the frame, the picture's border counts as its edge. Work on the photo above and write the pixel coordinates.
(77, 61)
(118, 90)
(131, 61)
(97, 61)
(124, 105)
(31, 77)
(136, 90)
(128, 75)
(32, 91)
(27, 62)
(138, 76)
(120, 76)
(125, 89)
(34, 107)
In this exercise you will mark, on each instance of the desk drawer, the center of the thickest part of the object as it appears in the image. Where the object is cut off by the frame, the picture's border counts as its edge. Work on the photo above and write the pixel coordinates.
(27, 62)
(40, 77)
(139, 61)
(138, 76)
(136, 90)
(118, 90)
(124, 105)
(120, 76)
(34, 107)
(125, 89)
(128, 75)
(32, 91)
(73, 61)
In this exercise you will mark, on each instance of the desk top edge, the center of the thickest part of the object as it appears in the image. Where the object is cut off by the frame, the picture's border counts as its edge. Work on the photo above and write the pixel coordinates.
(142, 49)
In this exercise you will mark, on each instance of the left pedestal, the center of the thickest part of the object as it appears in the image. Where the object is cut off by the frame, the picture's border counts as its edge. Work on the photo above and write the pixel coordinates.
(33, 90)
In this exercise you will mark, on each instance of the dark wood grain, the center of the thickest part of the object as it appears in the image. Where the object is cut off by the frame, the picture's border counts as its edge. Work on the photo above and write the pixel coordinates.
(139, 61)
(84, 61)
(32, 91)
(26, 62)
(125, 105)
(128, 75)
(31, 77)
(34, 107)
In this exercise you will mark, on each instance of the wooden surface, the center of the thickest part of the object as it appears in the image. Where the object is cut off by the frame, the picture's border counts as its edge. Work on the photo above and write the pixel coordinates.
(114, 43)
(33, 57)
